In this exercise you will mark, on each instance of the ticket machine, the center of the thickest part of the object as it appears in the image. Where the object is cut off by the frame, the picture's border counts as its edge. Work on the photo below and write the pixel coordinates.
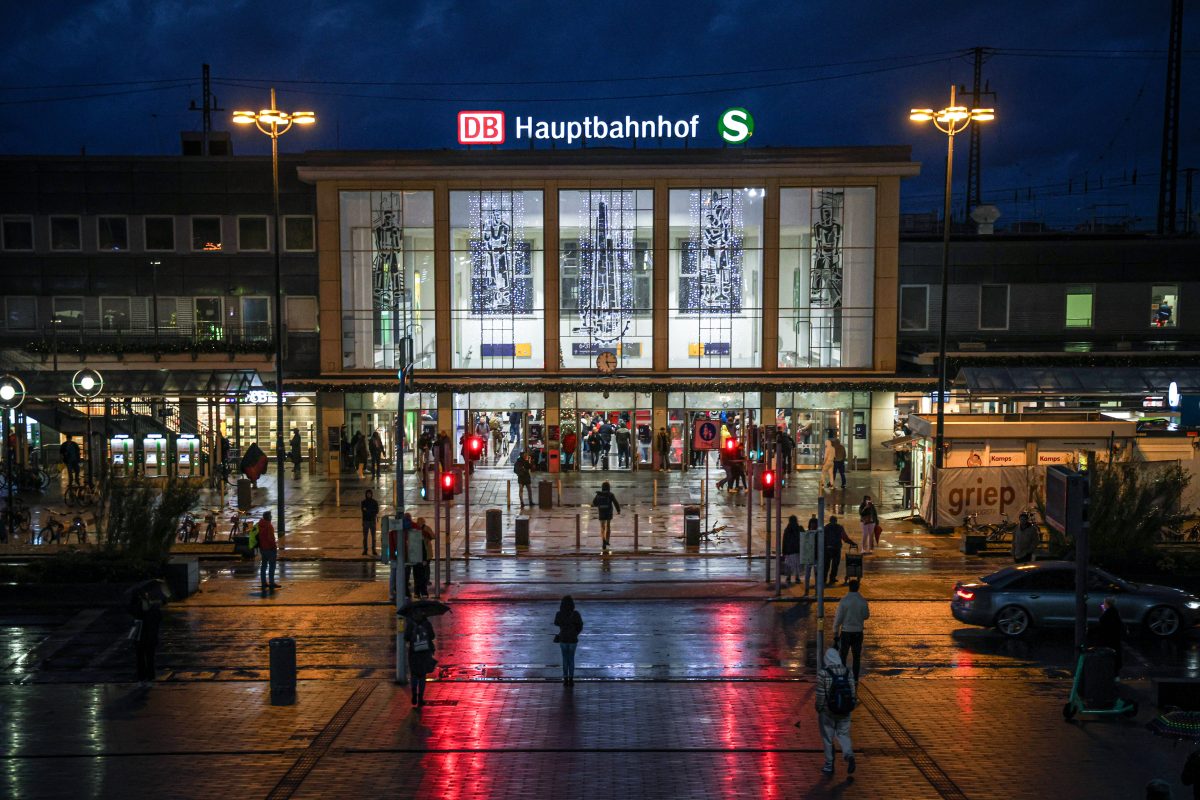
(120, 449)
(154, 456)
(187, 456)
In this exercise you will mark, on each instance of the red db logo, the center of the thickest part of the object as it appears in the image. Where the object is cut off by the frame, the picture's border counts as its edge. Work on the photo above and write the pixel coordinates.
(481, 127)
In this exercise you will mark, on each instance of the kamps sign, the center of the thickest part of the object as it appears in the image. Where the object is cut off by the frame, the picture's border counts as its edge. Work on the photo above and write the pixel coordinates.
(734, 125)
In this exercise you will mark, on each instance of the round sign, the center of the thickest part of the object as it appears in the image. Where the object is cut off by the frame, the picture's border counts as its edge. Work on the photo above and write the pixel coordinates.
(708, 431)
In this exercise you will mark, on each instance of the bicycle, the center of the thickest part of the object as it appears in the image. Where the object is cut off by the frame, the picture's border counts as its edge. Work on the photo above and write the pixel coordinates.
(240, 524)
(210, 525)
(189, 530)
(28, 479)
(22, 520)
(80, 495)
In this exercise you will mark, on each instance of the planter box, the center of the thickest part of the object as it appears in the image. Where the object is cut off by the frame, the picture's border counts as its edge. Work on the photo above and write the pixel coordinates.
(183, 576)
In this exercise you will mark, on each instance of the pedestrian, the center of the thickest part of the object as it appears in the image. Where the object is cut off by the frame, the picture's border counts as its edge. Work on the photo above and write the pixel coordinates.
(524, 471)
(1025, 540)
(146, 608)
(852, 611)
(623, 440)
(839, 460)
(604, 502)
(836, 698)
(347, 445)
(267, 552)
(415, 558)
(68, 451)
(421, 571)
(419, 636)
(662, 446)
(606, 437)
(644, 438)
(593, 446)
(362, 453)
(294, 452)
(376, 453)
(788, 446)
(569, 624)
(827, 465)
(835, 536)
(370, 514)
(791, 549)
(869, 518)
(1110, 630)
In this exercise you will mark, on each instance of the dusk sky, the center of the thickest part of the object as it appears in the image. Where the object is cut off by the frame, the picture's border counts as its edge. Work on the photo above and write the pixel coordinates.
(1079, 86)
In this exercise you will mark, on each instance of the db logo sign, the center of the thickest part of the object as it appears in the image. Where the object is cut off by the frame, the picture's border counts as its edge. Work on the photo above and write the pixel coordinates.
(481, 127)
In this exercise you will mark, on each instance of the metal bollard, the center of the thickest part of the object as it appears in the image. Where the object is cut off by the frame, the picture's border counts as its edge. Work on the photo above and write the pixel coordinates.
(577, 541)
(655, 503)
(635, 532)
(283, 670)
(508, 494)
(337, 491)
(559, 481)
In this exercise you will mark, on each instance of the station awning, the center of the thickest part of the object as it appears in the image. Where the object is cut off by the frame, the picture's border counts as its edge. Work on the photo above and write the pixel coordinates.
(151, 383)
(1076, 381)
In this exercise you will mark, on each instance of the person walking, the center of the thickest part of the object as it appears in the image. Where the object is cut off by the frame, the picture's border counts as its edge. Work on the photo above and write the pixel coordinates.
(1110, 630)
(267, 550)
(593, 447)
(416, 558)
(294, 452)
(524, 472)
(869, 518)
(839, 461)
(643, 441)
(835, 536)
(569, 624)
(624, 437)
(69, 453)
(827, 464)
(376, 452)
(788, 447)
(419, 636)
(370, 516)
(852, 611)
(1025, 540)
(420, 572)
(662, 445)
(146, 608)
(362, 453)
(604, 502)
(836, 698)
(791, 549)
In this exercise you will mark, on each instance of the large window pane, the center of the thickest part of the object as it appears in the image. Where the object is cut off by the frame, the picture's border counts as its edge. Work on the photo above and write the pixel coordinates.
(826, 277)
(914, 308)
(1079, 306)
(20, 313)
(299, 234)
(256, 318)
(68, 311)
(993, 307)
(17, 233)
(114, 313)
(160, 233)
(1164, 306)
(606, 276)
(206, 233)
(64, 233)
(387, 278)
(252, 234)
(496, 285)
(715, 288)
(112, 234)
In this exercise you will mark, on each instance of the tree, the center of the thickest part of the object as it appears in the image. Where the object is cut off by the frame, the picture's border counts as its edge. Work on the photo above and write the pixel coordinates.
(1129, 505)
(142, 516)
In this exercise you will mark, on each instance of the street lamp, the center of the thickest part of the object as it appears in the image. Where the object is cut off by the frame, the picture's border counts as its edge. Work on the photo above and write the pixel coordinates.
(274, 123)
(88, 384)
(12, 394)
(951, 120)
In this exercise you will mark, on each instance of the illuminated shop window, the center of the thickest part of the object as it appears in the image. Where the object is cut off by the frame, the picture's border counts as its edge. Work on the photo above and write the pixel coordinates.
(1080, 303)
(1164, 306)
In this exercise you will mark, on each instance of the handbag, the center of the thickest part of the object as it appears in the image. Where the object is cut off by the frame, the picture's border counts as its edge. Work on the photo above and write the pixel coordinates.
(557, 639)
(878, 532)
(135, 631)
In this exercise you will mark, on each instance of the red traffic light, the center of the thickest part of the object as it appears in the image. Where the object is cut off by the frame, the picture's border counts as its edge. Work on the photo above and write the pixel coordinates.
(474, 447)
(449, 485)
(731, 445)
(768, 483)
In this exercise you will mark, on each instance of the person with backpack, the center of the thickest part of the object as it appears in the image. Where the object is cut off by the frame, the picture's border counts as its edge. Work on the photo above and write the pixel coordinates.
(604, 502)
(852, 611)
(69, 452)
(524, 472)
(569, 624)
(836, 698)
(267, 549)
(418, 635)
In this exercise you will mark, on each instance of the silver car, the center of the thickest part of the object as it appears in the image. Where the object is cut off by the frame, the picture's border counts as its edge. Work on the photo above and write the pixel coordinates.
(1042, 595)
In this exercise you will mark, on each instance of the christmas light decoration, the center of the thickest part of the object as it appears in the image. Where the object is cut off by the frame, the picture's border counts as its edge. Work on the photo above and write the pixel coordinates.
(607, 224)
(710, 276)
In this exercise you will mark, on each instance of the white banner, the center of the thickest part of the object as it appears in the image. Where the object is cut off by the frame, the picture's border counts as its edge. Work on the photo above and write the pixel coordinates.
(991, 492)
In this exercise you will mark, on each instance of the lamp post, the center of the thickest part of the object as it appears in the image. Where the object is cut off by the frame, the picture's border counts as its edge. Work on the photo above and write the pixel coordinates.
(88, 384)
(951, 120)
(12, 394)
(274, 123)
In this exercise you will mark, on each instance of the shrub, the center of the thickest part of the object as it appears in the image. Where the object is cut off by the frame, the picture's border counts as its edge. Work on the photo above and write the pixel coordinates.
(1129, 505)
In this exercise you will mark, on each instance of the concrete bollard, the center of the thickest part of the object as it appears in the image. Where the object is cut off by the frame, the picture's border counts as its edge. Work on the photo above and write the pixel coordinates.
(577, 533)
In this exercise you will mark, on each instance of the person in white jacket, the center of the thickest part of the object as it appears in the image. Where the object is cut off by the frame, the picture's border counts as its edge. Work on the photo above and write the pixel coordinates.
(827, 464)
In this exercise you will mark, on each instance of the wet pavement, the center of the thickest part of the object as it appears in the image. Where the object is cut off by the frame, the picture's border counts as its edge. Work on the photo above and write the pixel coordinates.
(690, 677)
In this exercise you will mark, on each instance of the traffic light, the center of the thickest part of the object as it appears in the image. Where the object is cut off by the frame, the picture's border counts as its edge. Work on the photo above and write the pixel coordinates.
(449, 485)
(768, 483)
(731, 446)
(474, 448)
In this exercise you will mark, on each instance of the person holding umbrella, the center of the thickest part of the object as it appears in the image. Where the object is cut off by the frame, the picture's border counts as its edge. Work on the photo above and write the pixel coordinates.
(419, 636)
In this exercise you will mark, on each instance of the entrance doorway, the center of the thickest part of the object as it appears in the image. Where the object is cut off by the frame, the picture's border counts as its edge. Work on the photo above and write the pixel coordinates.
(612, 431)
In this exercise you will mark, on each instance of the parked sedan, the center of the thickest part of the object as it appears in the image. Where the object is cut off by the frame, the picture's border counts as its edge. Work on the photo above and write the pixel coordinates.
(1042, 595)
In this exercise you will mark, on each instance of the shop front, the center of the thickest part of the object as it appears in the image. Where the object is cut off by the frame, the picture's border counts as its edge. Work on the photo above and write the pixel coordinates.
(508, 422)
(602, 431)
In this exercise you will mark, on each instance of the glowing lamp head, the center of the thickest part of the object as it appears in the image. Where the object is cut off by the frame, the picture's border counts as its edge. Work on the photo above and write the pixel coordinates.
(87, 383)
(7, 392)
(304, 117)
(243, 117)
(921, 114)
(983, 114)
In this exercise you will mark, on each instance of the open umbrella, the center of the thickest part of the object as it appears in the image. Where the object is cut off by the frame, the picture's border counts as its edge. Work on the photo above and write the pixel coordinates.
(1177, 725)
(429, 608)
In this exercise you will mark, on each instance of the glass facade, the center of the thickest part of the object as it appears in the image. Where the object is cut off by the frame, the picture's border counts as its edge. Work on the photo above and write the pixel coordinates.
(387, 278)
(826, 277)
(715, 282)
(497, 297)
(606, 276)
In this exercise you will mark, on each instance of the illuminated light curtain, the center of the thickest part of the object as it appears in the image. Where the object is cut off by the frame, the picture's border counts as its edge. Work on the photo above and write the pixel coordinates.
(501, 279)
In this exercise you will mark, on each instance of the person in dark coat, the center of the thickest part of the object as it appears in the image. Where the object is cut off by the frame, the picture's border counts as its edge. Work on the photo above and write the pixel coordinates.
(375, 450)
(146, 608)
(294, 452)
(1110, 630)
(835, 535)
(418, 635)
(69, 452)
(604, 502)
(362, 453)
(791, 549)
(523, 469)
(569, 624)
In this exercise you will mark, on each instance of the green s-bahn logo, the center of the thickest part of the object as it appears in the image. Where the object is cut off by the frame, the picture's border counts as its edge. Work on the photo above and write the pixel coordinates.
(735, 125)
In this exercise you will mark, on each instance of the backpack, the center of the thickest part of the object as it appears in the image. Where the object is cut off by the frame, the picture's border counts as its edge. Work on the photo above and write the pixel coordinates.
(839, 700)
(252, 539)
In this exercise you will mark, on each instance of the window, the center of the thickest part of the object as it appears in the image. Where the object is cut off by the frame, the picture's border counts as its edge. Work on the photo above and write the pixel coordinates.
(1164, 306)
(114, 313)
(301, 314)
(18, 233)
(914, 308)
(112, 234)
(20, 313)
(993, 307)
(1080, 301)
(1053, 580)
(206, 233)
(160, 233)
(64, 233)
(299, 235)
(252, 234)
(256, 318)
(168, 313)
(68, 311)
